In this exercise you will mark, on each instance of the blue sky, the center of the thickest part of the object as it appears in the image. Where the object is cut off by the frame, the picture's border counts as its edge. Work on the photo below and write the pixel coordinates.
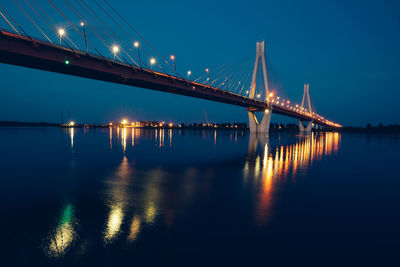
(347, 50)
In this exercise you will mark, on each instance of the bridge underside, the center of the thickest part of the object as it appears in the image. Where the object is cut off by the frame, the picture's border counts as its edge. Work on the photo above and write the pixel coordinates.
(22, 51)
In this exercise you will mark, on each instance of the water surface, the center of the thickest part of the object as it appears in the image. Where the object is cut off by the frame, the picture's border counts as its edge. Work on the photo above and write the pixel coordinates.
(182, 198)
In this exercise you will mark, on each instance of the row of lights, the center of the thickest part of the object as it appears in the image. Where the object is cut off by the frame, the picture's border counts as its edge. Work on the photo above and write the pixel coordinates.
(115, 50)
(298, 109)
(125, 122)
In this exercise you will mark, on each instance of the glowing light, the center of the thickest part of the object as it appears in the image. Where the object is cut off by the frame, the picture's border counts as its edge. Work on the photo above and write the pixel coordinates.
(152, 62)
(82, 24)
(258, 96)
(124, 121)
(171, 124)
(207, 70)
(136, 44)
(189, 72)
(71, 123)
(271, 95)
(172, 57)
(61, 32)
(115, 49)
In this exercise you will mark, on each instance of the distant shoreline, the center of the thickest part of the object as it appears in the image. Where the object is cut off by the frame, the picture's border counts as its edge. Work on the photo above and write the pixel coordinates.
(392, 128)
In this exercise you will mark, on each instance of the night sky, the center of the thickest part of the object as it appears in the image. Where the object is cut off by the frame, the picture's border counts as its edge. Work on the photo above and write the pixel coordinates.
(347, 50)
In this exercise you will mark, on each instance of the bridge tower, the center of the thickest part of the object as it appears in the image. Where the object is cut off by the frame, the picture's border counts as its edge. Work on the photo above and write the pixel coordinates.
(306, 98)
(263, 126)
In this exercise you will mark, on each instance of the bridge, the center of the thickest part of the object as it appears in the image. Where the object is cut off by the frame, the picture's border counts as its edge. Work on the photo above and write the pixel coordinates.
(26, 51)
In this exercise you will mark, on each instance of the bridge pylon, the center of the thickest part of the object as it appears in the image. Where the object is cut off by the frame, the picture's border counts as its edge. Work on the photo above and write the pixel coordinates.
(263, 126)
(306, 98)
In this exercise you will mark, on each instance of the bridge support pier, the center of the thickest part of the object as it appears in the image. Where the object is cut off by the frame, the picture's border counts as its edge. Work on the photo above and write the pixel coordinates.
(306, 129)
(263, 126)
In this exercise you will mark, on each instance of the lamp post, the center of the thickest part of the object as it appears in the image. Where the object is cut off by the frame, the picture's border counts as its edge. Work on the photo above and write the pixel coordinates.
(84, 35)
(172, 57)
(208, 76)
(115, 50)
(152, 62)
(61, 33)
(136, 44)
(188, 74)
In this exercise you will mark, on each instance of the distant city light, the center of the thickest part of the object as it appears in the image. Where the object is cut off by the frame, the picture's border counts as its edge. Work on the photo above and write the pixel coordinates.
(71, 123)
(124, 121)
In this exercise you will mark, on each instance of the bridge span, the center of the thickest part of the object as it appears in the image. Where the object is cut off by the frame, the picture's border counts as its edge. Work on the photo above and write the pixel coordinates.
(37, 54)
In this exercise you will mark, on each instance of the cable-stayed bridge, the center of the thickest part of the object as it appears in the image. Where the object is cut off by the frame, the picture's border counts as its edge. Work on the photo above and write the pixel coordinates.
(129, 64)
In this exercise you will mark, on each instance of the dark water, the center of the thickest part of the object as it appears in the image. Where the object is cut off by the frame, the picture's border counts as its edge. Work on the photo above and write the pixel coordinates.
(133, 197)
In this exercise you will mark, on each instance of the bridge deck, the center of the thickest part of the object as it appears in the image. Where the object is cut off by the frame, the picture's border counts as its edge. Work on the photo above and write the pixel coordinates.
(36, 54)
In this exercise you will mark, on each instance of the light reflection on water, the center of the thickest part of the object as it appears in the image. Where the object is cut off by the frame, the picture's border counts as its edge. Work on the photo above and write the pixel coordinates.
(266, 166)
(63, 235)
(131, 208)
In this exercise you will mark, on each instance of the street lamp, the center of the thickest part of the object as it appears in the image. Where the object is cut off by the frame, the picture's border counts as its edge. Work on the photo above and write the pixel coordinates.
(172, 57)
(136, 44)
(208, 75)
(152, 62)
(84, 35)
(115, 50)
(188, 74)
(61, 33)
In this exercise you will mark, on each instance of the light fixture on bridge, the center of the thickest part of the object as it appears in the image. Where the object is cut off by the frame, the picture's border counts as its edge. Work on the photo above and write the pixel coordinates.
(115, 50)
(124, 121)
(258, 96)
(152, 62)
(208, 75)
(188, 74)
(71, 123)
(61, 33)
(84, 36)
(172, 58)
(136, 44)
(271, 95)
